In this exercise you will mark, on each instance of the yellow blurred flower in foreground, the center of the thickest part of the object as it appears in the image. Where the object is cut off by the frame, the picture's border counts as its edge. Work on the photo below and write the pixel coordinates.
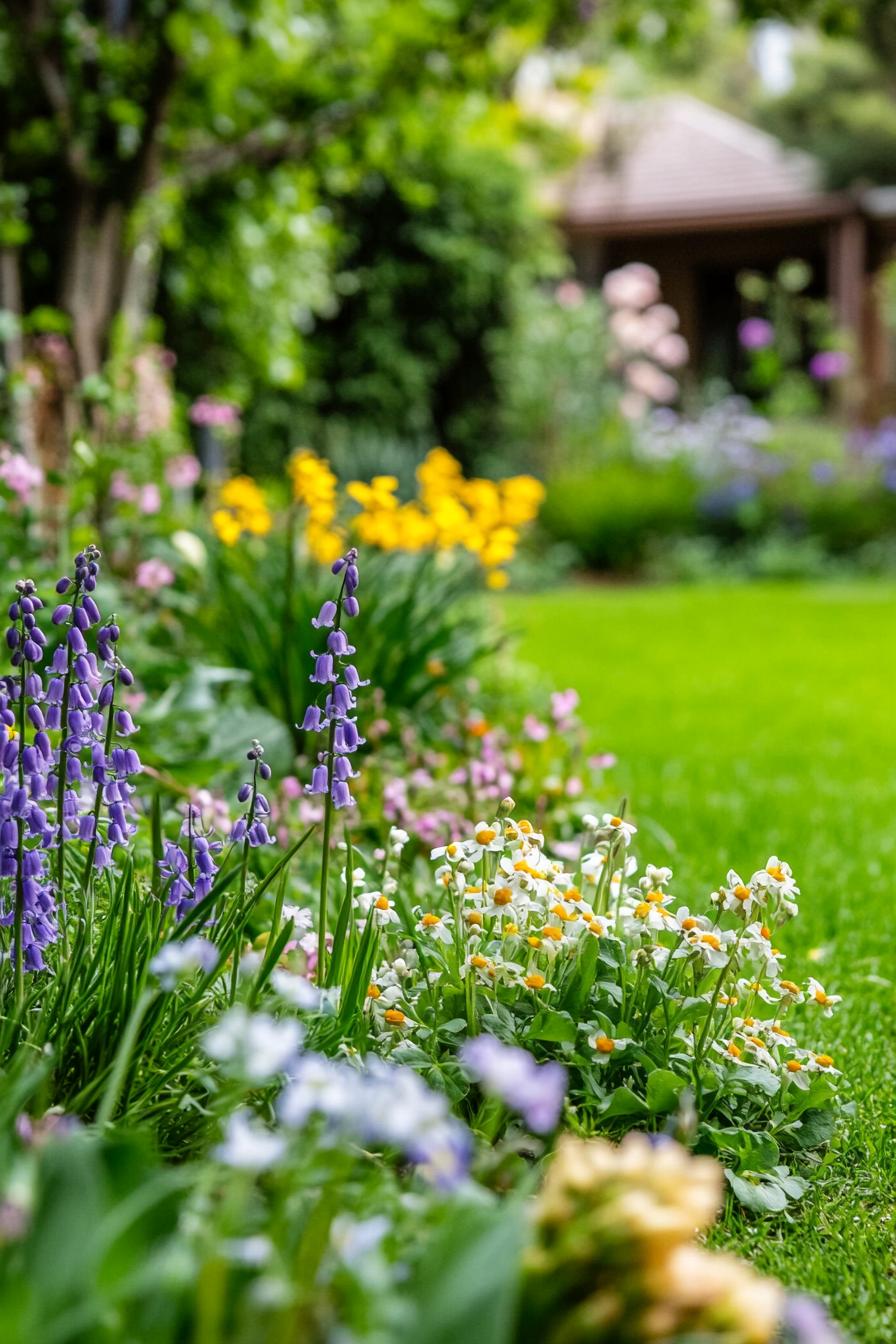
(242, 508)
(315, 486)
(613, 1256)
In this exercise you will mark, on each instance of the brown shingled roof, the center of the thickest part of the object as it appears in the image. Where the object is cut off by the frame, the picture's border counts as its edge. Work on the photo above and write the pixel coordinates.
(676, 160)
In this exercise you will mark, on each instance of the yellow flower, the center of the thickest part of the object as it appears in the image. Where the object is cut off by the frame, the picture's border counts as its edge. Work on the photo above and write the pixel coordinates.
(242, 508)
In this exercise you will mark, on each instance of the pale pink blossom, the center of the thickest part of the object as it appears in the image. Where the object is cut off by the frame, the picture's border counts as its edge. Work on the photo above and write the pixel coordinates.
(651, 382)
(633, 286)
(122, 489)
(153, 574)
(150, 499)
(671, 350)
(535, 730)
(183, 471)
(569, 294)
(213, 413)
(19, 475)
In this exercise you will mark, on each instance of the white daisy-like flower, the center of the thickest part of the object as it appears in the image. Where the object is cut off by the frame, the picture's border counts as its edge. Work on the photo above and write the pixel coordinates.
(826, 1002)
(619, 826)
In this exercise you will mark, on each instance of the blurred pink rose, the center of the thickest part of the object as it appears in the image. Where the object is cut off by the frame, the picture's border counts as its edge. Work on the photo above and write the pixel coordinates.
(182, 472)
(671, 350)
(153, 574)
(633, 286)
(651, 382)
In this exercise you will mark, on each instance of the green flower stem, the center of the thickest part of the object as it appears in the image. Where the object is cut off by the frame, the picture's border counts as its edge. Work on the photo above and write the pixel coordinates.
(244, 878)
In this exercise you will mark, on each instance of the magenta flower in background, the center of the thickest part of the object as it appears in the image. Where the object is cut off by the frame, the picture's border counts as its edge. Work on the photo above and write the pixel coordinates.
(183, 471)
(755, 333)
(153, 574)
(829, 364)
(18, 474)
(212, 413)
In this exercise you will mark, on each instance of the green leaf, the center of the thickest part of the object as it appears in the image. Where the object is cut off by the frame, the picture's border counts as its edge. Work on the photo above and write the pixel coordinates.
(467, 1283)
(624, 1102)
(549, 1025)
(663, 1090)
(759, 1196)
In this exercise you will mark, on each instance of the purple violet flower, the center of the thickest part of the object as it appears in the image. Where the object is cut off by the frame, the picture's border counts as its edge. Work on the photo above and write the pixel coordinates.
(535, 1091)
(755, 333)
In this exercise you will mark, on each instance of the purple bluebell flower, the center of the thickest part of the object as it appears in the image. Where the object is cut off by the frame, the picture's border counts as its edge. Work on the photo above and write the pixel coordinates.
(189, 867)
(535, 1091)
(252, 826)
(341, 680)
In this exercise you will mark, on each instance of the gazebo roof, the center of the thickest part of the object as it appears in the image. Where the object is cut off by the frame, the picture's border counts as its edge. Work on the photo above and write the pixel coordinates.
(675, 161)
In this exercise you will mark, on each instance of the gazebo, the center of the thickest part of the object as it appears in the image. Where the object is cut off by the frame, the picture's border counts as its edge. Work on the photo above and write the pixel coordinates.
(701, 195)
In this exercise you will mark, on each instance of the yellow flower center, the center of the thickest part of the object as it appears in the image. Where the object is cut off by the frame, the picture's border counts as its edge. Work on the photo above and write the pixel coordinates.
(429, 921)
(820, 996)
(734, 1050)
(826, 1061)
(642, 910)
(712, 941)
(510, 930)
(777, 872)
(373, 991)
(654, 896)
(794, 1066)
(486, 836)
(689, 923)
(604, 1045)
(549, 931)
(479, 962)
(394, 1017)
(535, 981)
(381, 903)
(533, 941)
(474, 917)
(525, 827)
(741, 892)
(503, 896)
(615, 821)
(789, 987)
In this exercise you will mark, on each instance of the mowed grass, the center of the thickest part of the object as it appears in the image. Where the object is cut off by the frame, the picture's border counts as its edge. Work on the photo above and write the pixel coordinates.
(750, 721)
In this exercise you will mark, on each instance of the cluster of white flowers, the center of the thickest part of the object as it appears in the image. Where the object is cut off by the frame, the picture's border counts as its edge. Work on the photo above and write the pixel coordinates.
(508, 920)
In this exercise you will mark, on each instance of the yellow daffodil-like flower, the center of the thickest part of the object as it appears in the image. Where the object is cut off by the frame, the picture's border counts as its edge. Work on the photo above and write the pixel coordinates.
(242, 508)
(450, 512)
(315, 486)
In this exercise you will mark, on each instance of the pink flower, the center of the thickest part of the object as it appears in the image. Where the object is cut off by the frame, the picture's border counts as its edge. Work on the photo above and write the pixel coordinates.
(291, 787)
(214, 413)
(535, 730)
(18, 474)
(122, 489)
(153, 574)
(183, 471)
(569, 294)
(633, 286)
(150, 499)
(564, 704)
(604, 760)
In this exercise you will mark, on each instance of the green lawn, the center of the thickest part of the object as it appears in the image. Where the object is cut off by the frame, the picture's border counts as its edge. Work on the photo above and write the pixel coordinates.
(758, 720)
